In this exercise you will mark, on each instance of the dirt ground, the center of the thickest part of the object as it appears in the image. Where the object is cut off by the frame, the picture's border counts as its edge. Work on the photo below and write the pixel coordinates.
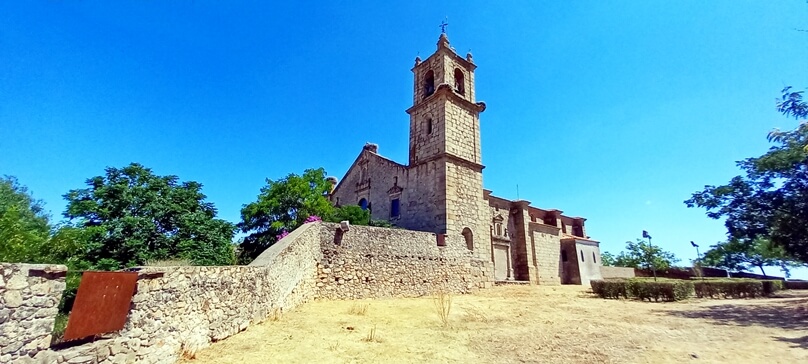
(524, 324)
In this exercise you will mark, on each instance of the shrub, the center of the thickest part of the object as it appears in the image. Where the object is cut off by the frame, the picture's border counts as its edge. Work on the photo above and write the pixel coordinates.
(443, 306)
(610, 289)
(796, 284)
(733, 288)
(665, 290)
(771, 286)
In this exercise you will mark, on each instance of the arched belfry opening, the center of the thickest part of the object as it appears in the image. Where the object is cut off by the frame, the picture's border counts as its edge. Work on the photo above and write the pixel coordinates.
(460, 81)
(429, 83)
(467, 234)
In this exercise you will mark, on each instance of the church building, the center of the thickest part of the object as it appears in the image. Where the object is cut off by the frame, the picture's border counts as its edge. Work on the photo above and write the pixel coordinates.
(440, 189)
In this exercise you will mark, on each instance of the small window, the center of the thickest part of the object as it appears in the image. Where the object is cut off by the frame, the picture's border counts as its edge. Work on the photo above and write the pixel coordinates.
(499, 229)
(395, 206)
(429, 83)
(563, 255)
(363, 203)
(582, 256)
(460, 83)
(429, 126)
(594, 260)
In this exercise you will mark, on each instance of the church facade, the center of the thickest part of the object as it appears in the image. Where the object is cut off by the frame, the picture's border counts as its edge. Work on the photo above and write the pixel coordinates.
(440, 189)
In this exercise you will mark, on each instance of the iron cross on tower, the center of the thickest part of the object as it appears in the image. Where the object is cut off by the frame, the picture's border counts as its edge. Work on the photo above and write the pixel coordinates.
(444, 24)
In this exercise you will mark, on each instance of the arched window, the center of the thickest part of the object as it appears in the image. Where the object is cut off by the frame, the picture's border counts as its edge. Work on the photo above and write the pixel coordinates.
(429, 126)
(469, 238)
(429, 83)
(363, 203)
(594, 260)
(460, 84)
(582, 256)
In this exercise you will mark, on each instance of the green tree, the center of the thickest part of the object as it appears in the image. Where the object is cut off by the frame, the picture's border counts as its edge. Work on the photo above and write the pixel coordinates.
(351, 213)
(741, 255)
(640, 254)
(608, 259)
(770, 201)
(282, 206)
(24, 226)
(131, 216)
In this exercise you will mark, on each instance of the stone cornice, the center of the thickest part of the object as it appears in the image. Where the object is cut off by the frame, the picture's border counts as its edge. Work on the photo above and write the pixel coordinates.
(446, 90)
(474, 166)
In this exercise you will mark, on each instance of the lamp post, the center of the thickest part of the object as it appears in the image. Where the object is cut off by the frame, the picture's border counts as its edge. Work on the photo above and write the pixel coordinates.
(650, 253)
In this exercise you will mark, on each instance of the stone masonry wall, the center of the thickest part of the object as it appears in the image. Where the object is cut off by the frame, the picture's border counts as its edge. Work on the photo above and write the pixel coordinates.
(179, 310)
(175, 310)
(367, 262)
(29, 301)
(548, 246)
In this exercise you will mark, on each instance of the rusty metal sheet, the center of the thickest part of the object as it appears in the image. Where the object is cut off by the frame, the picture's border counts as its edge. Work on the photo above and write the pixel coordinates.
(101, 305)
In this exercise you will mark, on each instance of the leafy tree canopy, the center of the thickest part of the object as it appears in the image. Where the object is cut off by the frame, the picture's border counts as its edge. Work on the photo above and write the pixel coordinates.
(351, 213)
(640, 254)
(281, 207)
(130, 216)
(285, 204)
(770, 201)
(608, 259)
(741, 255)
(24, 226)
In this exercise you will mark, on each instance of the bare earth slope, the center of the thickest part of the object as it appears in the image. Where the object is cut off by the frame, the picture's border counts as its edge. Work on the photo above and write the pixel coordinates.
(522, 324)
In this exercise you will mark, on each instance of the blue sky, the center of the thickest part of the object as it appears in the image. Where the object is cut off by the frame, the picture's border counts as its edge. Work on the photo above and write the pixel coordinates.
(616, 111)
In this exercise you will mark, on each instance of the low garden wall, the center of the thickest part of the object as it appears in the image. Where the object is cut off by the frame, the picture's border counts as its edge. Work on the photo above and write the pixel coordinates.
(608, 272)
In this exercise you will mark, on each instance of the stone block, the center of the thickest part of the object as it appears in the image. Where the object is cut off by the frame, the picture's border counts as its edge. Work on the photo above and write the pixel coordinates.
(16, 282)
(13, 298)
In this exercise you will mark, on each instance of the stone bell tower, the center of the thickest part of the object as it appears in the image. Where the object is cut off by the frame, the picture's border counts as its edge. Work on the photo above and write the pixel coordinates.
(445, 145)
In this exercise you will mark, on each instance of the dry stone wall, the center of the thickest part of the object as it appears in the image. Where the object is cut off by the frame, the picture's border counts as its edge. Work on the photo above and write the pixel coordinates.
(175, 310)
(29, 302)
(179, 310)
(369, 262)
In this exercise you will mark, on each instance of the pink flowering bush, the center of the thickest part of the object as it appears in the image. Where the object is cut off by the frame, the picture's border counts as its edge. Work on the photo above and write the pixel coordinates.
(312, 218)
(281, 235)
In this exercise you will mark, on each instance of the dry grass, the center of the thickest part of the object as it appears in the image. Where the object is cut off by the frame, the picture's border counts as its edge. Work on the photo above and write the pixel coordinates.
(519, 324)
(372, 336)
(276, 315)
(443, 306)
(360, 309)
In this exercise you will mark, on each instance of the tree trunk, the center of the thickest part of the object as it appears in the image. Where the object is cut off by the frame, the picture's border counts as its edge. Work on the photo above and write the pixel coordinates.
(762, 271)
